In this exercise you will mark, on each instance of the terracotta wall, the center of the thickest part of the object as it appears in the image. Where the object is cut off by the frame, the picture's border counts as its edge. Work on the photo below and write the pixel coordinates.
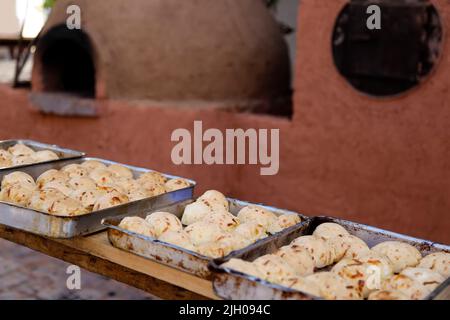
(379, 162)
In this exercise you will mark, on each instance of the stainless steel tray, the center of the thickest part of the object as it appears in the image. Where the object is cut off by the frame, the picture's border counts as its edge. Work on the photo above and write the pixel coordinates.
(178, 257)
(230, 284)
(68, 227)
(63, 154)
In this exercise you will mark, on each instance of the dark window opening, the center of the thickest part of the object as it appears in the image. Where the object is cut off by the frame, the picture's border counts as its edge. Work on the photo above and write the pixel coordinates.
(394, 59)
(67, 62)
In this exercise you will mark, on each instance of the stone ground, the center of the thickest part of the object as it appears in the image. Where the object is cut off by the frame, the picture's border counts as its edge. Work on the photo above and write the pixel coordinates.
(26, 274)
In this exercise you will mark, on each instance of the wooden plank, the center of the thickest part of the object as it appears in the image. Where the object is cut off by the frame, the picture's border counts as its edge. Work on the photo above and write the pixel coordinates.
(94, 253)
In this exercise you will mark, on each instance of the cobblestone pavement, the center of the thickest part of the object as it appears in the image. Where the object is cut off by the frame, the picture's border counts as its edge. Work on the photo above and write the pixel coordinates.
(26, 274)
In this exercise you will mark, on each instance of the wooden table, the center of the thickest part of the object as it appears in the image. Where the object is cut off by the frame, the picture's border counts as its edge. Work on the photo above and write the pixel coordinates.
(94, 253)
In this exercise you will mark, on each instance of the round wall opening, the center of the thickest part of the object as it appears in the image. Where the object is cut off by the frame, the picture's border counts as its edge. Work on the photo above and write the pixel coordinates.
(393, 59)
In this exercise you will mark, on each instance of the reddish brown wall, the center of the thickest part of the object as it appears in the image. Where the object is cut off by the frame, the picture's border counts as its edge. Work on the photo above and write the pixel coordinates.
(344, 154)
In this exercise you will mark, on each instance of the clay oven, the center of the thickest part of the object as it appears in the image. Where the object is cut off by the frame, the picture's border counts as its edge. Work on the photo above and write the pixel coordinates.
(224, 51)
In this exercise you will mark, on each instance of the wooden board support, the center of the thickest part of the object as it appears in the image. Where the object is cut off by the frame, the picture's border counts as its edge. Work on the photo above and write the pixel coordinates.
(95, 254)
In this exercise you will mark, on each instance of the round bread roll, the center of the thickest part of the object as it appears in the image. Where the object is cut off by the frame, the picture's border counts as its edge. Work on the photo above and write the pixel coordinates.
(357, 273)
(274, 268)
(152, 177)
(75, 171)
(82, 183)
(20, 149)
(163, 221)
(257, 214)
(216, 197)
(303, 285)
(67, 207)
(137, 194)
(252, 231)
(406, 285)
(108, 188)
(225, 220)
(329, 230)
(5, 159)
(17, 193)
(120, 171)
(333, 287)
(176, 184)
(102, 177)
(178, 238)
(137, 225)
(18, 177)
(50, 176)
(87, 197)
(203, 232)
(44, 155)
(92, 165)
(127, 184)
(61, 186)
(439, 262)
(428, 278)
(195, 212)
(376, 260)
(244, 267)
(216, 249)
(322, 253)
(298, 258)
(42, 200)
(154, 190)
(283, 222)
(109, 200)
(402, 255)
(22, 160)
(387, 295)
(354, 246)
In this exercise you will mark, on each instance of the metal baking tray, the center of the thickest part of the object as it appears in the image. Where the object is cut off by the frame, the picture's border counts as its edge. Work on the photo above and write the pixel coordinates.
(178, 257)
(68, 227)
(233, 285)
(63, 154)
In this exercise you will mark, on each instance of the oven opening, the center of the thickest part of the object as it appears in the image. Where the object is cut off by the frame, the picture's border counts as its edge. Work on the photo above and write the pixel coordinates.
(67, 62)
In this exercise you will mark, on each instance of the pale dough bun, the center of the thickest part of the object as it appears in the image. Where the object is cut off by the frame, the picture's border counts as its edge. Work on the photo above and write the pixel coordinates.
(75, 170)
(202, 232)
(223, 246)
(195, 212)
(153, 190)
(82, 183)
(61, 186)
(137, 225)
(176, 184)
(257, 214)
(251, 231)
(387, 295)
(274, 268)
(333, 287)
(298, 258)
(225, 220)
(18, 177)
(439, 262)
(102, 177)
(244, 267)
(322, 253)
(283, 222)
(120, 171)
(356, 274)
(51, 175)
(137, 194)
(329, 230)
(44, 155)
(214, 196)
(110, 200)
(17, 193)
(87, 197)
(380, 261)
(428, 278)
(22, 160)
(42, 200)
(92, 165)
(20, 149)
(178, 238)
(401, 255)
(152, 177)
(5, 159)
(303, 285)
(414, 290)
(67, 207)
(354, 246)
(163, 221)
